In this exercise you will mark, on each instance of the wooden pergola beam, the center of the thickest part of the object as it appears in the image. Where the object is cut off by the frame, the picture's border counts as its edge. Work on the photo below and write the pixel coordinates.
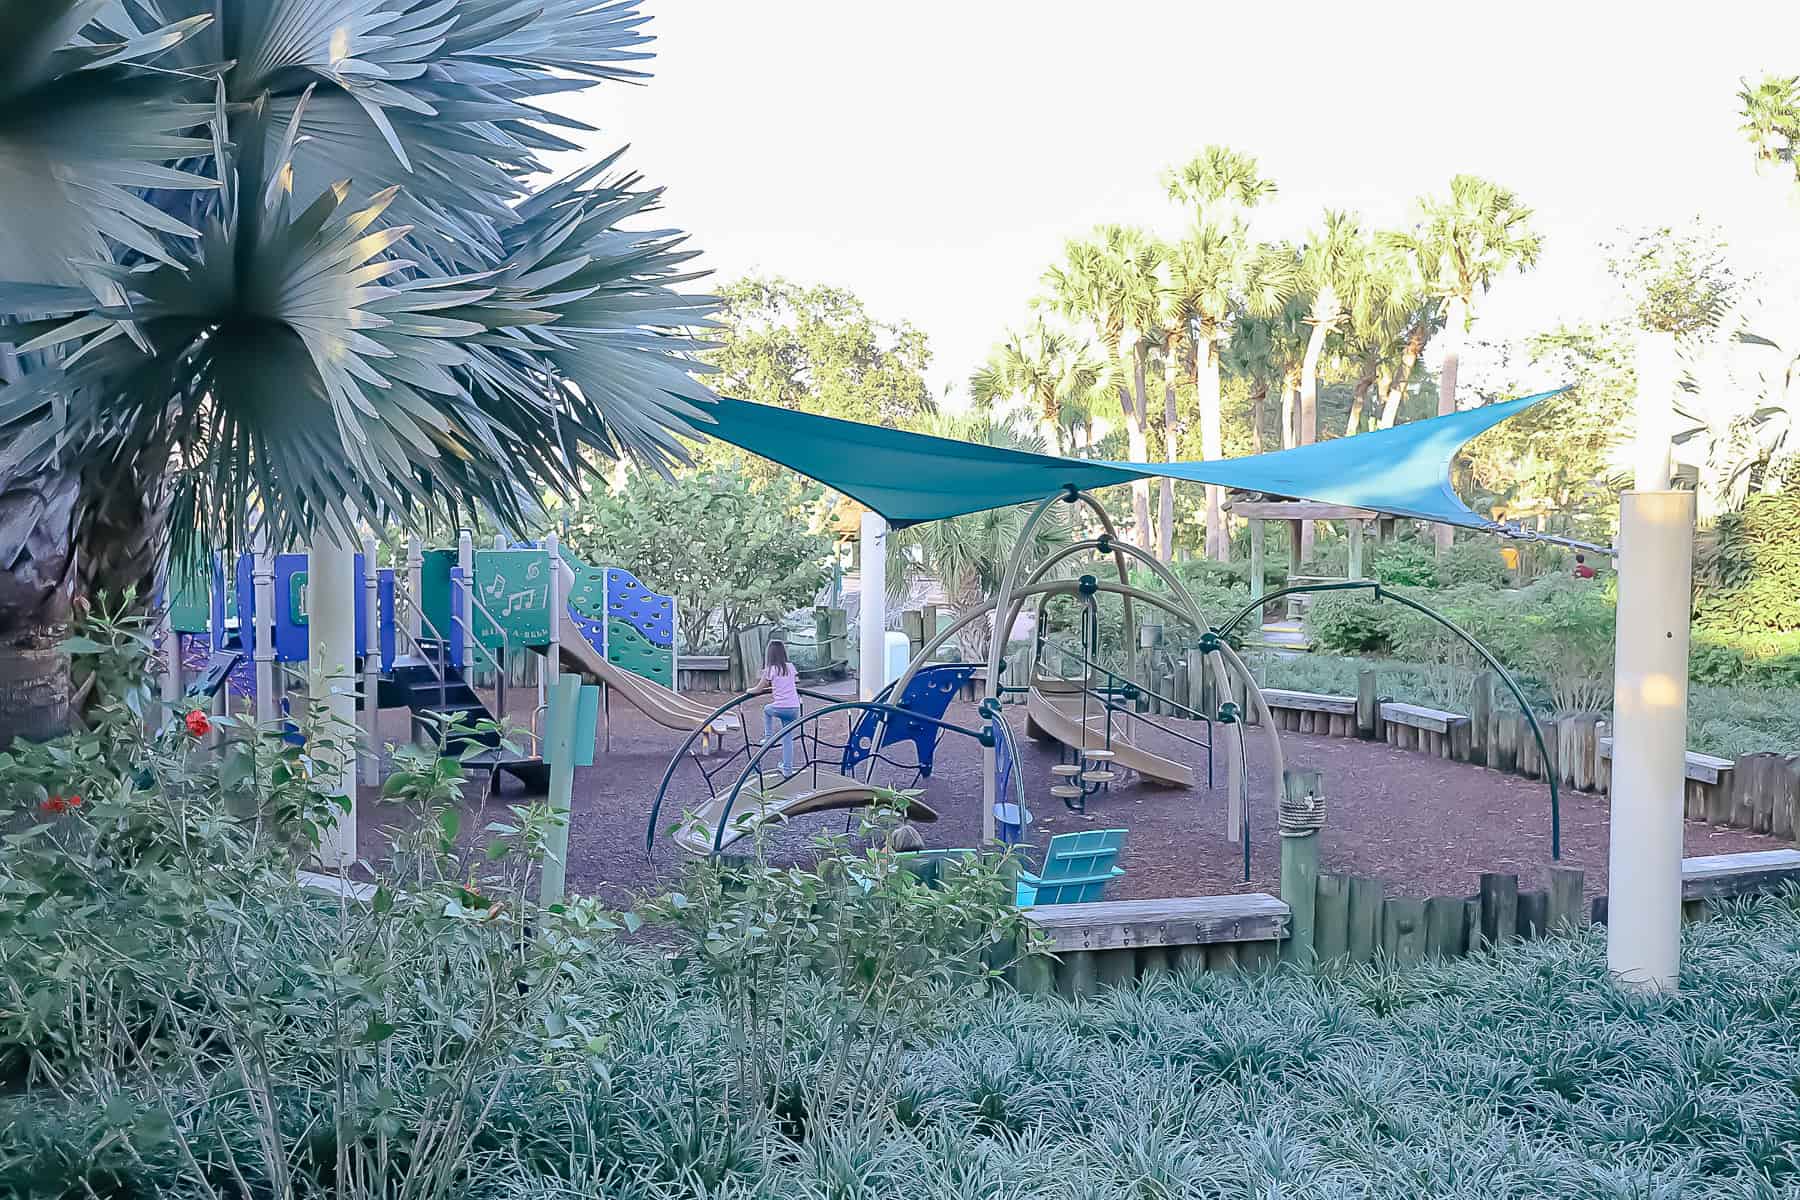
(1300, 510)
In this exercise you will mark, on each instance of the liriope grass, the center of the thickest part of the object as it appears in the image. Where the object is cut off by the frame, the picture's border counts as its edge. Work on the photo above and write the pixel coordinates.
(1521, 1074)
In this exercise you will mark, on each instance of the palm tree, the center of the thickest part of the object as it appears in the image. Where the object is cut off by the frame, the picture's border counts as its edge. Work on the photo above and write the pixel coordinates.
(1461, 245)
(286, 258)
(968, 555)
(1211, 275)
(1113, 280)
(1771, 112)
(1050, 370)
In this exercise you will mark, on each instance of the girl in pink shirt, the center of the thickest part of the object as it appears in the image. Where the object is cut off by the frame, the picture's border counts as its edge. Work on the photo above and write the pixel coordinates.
(781, 679)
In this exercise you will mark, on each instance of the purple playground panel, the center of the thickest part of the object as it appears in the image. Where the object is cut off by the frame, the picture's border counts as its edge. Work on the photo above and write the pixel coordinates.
(196, 650)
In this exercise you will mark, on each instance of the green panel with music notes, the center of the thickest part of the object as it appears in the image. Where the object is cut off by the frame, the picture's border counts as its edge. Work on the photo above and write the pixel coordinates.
(512, 590)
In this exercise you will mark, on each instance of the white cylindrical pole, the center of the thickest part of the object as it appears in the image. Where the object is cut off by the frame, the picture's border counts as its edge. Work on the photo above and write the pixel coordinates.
(1650, 687)
(874, 604)
(555, 600)
(174, 682)
(415, 589)
(332, 642)
(1657, 372)
(465, 560)
(371, 660)
(262, 646)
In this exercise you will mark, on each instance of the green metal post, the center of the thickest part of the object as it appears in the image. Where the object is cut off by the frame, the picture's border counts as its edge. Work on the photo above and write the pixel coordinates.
(559, 746)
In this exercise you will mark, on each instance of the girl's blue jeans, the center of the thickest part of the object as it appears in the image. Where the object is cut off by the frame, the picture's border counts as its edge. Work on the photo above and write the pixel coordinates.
(787, 717)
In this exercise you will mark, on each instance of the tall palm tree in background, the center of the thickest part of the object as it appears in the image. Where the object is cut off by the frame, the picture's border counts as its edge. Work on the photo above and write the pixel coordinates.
(1212, 270)
(1461, 244)
(968, 555)
(286, 257)
(1051, 371)
(1333, 266)
(1112, 280)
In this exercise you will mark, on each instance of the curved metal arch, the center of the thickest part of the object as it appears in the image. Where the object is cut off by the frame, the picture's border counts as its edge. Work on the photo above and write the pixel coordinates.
(1506, 677)
(687, 747)
(753, 767)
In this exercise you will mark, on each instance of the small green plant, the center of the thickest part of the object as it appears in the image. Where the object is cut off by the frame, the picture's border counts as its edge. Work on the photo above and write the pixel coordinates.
(864, 949)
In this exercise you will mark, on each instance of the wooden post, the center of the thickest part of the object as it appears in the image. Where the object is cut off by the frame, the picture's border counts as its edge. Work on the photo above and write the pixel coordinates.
(1356, 547)
(1566, 910)
(1481, 715)
(559, 741)
(1499, 907)
(1331, 918)
(1366, 897)
(1258, 586)
(1403, 930)
(1368, 711)
(1301, 791)
(1444, 933)
(1533, 914)
(1296, 533)
(912, 622)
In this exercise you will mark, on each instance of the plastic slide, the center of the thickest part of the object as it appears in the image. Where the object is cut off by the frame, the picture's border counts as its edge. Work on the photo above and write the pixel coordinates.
(1054, 709)
(652, 699)
(808, 791)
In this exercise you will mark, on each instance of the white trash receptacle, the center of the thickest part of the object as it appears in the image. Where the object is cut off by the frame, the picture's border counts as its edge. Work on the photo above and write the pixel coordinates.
(898, 654)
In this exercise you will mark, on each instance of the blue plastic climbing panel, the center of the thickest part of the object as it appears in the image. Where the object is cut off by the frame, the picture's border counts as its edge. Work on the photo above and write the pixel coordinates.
(929, 694)
(640, 628)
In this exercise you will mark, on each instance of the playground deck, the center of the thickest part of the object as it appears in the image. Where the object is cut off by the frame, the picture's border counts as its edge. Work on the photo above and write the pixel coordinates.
(1433, 823)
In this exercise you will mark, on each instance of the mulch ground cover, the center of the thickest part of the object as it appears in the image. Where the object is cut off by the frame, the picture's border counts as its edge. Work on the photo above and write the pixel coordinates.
(1425, 826)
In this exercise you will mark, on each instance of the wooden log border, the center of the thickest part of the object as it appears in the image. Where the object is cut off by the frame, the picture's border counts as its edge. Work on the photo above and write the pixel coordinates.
(1356, 922)
(1759, 792)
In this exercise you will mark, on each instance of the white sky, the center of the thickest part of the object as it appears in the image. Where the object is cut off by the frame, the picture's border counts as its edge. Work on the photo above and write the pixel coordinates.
(932, 156)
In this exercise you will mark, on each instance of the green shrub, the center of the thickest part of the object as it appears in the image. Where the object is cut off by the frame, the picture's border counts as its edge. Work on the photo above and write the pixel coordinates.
(1748, 573)
(1476, 560)
(1405, 564)
(1351, 622)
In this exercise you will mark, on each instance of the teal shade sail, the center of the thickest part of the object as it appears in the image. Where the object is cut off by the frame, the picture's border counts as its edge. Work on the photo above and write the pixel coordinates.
(910, 478)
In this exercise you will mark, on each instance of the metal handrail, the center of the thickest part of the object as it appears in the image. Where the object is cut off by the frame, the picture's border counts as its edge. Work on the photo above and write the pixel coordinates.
(443, 644)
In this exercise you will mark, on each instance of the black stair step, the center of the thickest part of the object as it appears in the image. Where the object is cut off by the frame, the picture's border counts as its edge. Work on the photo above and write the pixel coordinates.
(533, 773)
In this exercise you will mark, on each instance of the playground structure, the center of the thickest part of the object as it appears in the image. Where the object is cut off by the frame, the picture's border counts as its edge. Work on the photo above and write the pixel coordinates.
(444, 636)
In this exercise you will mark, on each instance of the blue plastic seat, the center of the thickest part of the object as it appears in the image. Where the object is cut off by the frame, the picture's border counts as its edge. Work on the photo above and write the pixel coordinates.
(1077, 868)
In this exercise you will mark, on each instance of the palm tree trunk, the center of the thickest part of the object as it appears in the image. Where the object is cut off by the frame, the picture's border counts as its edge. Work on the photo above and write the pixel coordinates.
(1290, 389)
(1456, 318)
(36, 603)
(1309, 415)
(1212, 439)
(1396, 387)
(1137, 439)
(1165, 511)
(1360, 397)
(1259, 405)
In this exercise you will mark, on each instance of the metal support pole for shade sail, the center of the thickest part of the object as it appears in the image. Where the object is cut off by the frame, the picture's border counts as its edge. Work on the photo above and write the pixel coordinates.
(1650, 691)
(331, 632)
(874, 605)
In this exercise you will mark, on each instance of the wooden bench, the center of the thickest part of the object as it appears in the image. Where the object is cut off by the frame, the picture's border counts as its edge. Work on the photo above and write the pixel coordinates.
(1718, 876)
(1707, 792)
(1312, 712)
(1428, 730)
(1114, 941)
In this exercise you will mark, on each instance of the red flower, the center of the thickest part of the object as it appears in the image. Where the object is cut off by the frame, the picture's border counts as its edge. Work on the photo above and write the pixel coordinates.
(55, 804)
(197, 724)
(74, 801)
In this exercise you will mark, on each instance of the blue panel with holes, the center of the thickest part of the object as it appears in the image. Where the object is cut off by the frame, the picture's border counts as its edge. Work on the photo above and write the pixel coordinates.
(647, 612)
(929, 694)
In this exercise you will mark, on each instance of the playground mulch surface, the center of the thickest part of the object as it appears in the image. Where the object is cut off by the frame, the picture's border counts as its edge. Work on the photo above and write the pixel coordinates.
(1425, 826)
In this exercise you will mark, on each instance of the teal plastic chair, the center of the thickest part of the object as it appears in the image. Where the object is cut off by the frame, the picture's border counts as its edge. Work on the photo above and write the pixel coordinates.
(1077, 868)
